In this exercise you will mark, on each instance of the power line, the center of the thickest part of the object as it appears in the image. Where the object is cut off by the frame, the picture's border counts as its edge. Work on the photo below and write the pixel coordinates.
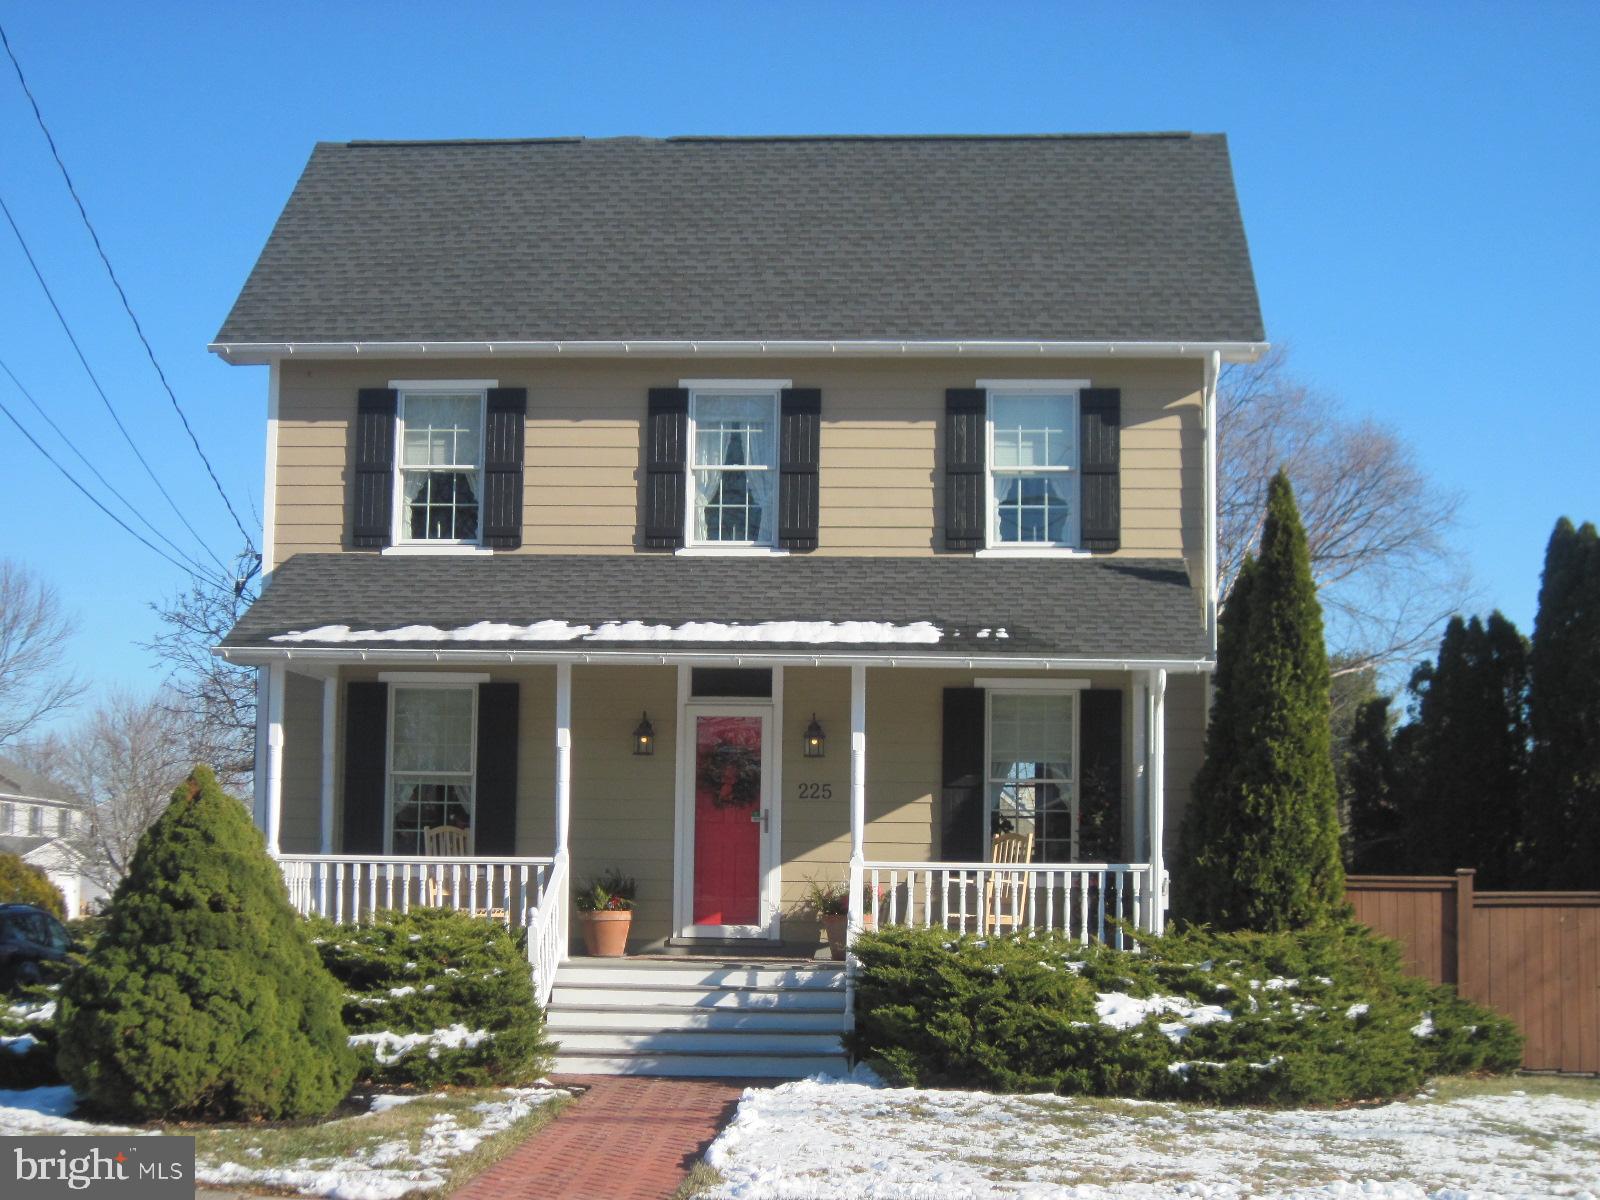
(188, 569)
(127, 307)
(83, 458)
(94, 379)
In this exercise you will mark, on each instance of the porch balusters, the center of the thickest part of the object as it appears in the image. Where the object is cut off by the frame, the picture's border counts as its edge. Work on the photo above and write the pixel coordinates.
(350, 888)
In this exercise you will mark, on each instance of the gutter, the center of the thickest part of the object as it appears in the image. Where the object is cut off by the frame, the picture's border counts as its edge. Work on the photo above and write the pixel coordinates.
(258, 353)
(326, 656)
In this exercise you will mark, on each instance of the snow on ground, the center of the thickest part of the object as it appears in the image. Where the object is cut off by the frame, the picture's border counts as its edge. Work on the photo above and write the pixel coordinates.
(389, 1169)
(788, 632)
(845, 1141)
(44, 1111)
(390, 1047)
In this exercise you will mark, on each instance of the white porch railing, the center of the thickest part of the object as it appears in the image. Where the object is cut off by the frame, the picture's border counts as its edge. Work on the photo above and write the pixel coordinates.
(547, 931)
(351, 887)
(1081, 900)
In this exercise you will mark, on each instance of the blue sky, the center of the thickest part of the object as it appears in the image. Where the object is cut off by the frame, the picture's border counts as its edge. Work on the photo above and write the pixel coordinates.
(1419, 184)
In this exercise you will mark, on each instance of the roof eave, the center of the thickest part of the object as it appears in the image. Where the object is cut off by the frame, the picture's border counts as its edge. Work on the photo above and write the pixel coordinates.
(259, 353)
(320, 657)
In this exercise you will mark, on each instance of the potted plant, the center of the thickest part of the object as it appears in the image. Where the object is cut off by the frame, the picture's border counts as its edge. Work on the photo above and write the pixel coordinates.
(830, 904)
(605, 911)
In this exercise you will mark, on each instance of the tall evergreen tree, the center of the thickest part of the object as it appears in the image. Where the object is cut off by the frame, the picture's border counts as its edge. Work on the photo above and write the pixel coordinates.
(1564, 712)
(1463, 807)
(1374, 842)
(1263, 852)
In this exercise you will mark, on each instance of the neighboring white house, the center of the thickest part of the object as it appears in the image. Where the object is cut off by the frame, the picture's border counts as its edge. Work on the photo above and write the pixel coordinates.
(37, 821)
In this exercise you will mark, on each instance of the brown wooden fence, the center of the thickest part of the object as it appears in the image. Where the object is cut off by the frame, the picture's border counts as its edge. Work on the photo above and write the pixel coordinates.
(1534, 956)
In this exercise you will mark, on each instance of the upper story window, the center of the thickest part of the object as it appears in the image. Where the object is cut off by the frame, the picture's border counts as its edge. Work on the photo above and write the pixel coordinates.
(440, 475)
(1033, 464)
(432, 746)
(733, 467)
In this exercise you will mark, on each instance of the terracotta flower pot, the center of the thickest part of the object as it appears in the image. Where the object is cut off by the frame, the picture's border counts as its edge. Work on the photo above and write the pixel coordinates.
(834, 928)
(605, 934)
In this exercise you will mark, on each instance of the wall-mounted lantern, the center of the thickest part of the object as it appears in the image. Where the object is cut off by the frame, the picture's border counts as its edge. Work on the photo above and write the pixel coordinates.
(814, 739)
(644, 736)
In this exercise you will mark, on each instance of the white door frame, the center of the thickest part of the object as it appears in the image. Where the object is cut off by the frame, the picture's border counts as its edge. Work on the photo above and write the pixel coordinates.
(770, 711)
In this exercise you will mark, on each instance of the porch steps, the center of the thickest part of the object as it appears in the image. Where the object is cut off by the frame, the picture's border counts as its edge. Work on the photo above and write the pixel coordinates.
(708, 1018)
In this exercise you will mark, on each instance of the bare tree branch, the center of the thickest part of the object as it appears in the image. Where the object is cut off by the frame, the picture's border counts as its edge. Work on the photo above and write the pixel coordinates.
(1376, 525)
(33, 640)
(214, 699)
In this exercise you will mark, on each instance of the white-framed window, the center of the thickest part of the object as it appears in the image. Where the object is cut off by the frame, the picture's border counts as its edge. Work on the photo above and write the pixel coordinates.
(439, 462)
(1033, 463)
(36, 819)
(733, 463)
(432, 762)
(1031, 759)
(8, 817)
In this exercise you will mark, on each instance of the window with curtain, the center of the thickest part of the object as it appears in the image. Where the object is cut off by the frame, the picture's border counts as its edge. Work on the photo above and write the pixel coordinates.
(735, 467)
(441, 466)
(1033, 469)
(1033, 771)
(430, 763)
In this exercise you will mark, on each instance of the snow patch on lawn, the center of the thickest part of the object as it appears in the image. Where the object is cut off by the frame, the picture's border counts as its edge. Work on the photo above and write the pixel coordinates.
(44, 1110)
(390, 1169)
(797, 632)
(390, 1047)
(844, 1141)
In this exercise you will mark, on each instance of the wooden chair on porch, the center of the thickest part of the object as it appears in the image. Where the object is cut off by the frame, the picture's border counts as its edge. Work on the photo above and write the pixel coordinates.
(1005, 893)
(449, 841)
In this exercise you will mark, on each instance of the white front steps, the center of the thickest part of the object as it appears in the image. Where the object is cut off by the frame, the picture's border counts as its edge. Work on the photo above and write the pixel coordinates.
(697, 1018)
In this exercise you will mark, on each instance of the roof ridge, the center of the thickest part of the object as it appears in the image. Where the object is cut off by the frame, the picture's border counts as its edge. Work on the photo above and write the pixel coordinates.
(712, 138)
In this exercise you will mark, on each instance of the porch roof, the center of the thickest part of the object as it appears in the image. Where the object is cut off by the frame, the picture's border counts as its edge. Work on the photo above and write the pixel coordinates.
(667, 605)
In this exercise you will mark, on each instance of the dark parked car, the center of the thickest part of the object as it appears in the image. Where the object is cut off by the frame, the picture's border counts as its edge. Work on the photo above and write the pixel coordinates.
(30, 940)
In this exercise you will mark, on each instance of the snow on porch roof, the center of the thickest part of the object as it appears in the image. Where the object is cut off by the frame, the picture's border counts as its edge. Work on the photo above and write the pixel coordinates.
(973, 607)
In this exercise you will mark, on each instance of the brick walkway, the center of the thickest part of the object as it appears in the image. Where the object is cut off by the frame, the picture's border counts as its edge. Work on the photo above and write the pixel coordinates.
(623, 1139)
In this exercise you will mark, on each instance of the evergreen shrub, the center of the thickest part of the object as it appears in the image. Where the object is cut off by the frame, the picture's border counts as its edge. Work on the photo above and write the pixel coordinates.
(463, 980)
(23, 883)
(203, 998)
(28, 1039)
(1322, 1015)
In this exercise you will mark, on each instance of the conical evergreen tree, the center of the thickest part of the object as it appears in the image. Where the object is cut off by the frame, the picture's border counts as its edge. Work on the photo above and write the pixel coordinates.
(204, 997)
(1265, 849)
(1464, 808)
(1564, 713)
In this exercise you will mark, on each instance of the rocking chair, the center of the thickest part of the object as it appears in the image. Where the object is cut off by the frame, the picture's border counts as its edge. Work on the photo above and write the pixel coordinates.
(1005, 892)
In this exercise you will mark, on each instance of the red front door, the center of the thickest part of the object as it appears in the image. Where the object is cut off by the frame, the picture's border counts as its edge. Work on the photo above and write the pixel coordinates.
(728, 803)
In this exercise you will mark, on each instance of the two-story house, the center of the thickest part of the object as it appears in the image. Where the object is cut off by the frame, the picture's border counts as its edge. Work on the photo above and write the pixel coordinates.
(738, 513)
(39, 820)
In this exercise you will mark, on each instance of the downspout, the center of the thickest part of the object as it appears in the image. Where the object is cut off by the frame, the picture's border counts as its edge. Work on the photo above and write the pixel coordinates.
(1213, 373)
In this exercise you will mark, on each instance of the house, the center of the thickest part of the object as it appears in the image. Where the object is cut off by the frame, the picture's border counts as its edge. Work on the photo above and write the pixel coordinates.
(38, 819)
(738, 513)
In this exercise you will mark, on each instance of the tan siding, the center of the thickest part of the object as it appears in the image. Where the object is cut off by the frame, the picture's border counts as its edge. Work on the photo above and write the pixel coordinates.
(881, 484)
(1186, 738)
(300, 831)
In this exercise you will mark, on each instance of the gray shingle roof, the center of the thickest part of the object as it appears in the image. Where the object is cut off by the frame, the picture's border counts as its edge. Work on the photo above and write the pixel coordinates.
(1070, 238)
(1090, 608)
(18, 780)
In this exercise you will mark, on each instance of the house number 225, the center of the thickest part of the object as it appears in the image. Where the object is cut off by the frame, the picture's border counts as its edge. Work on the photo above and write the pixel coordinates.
(816, 791)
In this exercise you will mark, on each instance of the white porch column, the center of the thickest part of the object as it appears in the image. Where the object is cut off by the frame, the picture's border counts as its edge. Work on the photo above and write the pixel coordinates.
(563, 756)
(1140, 756)
(1156, 789)
(276, 686)
(330, 718)
(858, 790)
(258, 783)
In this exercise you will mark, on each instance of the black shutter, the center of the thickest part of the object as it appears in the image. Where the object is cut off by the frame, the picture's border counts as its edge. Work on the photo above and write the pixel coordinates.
(1100, 456)
(962, 836)
(502, 468)
(1100, 776)
(366, 754)
(496, 799)
(666, 436)
(371, 497)
(798, 451)
(966, 417)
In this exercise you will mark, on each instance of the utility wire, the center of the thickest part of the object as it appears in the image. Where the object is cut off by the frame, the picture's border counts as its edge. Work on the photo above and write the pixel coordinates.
(117, 283)
(106, 483)
(94, 379)
(186, 568)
